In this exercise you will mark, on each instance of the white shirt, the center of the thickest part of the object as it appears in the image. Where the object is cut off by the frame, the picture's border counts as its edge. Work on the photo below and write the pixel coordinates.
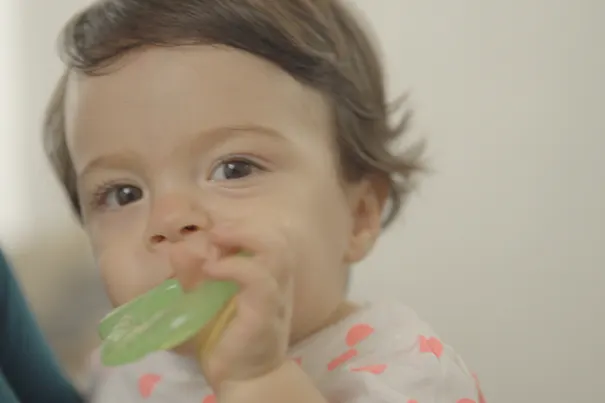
(381, 354)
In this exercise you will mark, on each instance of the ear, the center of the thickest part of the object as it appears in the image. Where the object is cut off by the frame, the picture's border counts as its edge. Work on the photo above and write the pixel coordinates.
(367, 199)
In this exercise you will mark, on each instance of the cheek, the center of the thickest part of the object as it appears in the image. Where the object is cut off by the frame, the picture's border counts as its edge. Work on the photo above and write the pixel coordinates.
(117, 244)
(126, 273)
(328, 221)
(321, 276)
(108, 228)
(312, 219)
(316, 223)
(323, 249)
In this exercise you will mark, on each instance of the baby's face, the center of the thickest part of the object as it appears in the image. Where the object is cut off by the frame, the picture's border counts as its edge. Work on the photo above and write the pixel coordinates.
(178, 142)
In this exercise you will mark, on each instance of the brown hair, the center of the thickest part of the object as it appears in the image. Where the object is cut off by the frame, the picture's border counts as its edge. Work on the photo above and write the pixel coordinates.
(318, 42)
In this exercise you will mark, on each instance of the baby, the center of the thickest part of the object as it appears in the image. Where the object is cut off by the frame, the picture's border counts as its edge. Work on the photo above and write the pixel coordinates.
(187, 130)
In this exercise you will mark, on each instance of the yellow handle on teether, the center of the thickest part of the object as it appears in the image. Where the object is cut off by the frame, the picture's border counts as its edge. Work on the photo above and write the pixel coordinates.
(212, 332)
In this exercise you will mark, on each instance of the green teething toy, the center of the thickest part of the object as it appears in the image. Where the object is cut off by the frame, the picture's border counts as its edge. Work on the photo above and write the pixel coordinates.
(160, 319)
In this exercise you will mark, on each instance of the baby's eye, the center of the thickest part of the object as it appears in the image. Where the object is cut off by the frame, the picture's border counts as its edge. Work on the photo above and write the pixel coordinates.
(119, 195)
(233, 169)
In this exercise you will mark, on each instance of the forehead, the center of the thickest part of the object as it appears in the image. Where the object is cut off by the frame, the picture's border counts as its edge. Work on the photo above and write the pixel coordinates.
(183, 91)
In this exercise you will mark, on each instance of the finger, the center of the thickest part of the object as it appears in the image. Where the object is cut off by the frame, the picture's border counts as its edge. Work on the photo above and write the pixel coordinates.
(243, 270)
(259, 289)
(272, 252)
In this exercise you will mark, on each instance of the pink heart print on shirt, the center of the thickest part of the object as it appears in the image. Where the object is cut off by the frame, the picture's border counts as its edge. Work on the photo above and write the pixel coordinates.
(355, 335)
(358, 333)
(479, 390)
(147, 384)
(430, 345)
(373, 369)
(341, 359)
(209, 399)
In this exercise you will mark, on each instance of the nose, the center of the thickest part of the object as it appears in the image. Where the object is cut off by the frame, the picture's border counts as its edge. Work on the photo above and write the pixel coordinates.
(173, 219)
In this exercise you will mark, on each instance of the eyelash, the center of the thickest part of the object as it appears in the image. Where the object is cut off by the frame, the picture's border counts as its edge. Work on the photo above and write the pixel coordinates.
(241, 159)
(102, 191)
(99, 196)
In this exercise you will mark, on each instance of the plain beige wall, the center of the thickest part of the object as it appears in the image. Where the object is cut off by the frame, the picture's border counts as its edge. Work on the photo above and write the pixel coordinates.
(503, 247)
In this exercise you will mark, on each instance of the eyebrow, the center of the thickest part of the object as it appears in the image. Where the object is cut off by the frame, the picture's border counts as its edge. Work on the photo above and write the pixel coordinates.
(128, 158)
(215, 136)
(122, 160)
(243, 128)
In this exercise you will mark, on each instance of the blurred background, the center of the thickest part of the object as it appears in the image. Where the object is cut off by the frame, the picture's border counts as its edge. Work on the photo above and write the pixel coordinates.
(502, 248)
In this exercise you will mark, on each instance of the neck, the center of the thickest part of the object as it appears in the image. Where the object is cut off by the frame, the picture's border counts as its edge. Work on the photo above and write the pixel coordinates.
(342, 311)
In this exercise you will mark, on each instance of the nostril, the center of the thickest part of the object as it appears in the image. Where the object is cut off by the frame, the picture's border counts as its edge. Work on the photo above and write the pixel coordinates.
(157, 239)
(173, 236)
(188, 229)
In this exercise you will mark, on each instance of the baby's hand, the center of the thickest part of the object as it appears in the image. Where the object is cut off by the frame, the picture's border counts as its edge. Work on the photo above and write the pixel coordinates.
(256, 341)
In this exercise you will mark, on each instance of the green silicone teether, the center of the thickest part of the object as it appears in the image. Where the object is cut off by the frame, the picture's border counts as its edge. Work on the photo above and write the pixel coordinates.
(144, 306)
(161, 319)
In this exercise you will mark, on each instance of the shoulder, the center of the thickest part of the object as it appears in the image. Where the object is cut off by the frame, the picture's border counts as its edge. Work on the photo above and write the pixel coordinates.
(387, 352)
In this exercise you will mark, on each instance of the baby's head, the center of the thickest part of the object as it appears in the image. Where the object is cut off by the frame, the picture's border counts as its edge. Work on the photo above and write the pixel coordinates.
(179, 117)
